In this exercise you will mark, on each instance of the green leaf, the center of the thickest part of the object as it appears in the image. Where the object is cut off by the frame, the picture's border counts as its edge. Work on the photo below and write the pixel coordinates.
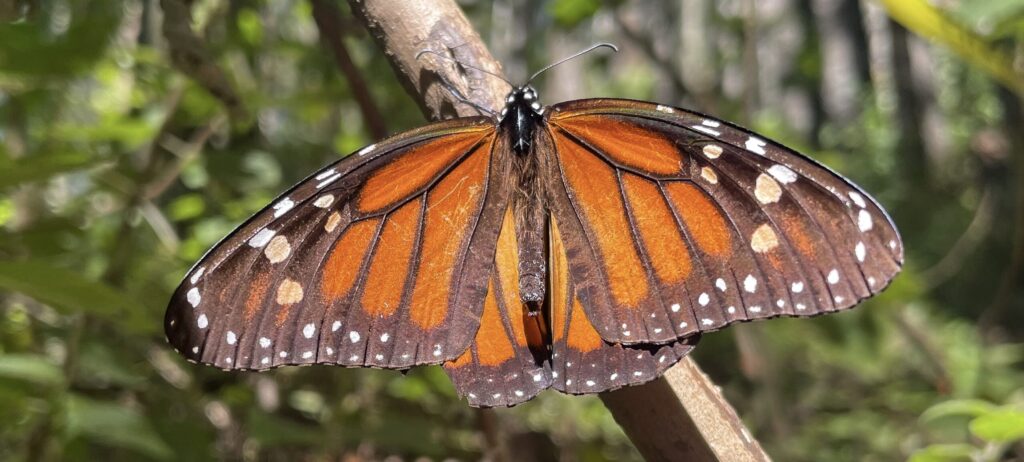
(958, 407)
(571, 12)
(929, 22)
(35, 369)
(943, 453)
(114, 425)
(65, 290)
(1002, 426)
(41, 167)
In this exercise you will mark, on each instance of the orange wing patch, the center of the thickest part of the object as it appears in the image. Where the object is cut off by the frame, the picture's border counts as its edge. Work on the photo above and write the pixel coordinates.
(451, 206)
(702, 218)
(390, 265)
(506, 262)
(581, 336)
(580, 333)
(596, 190)
(627, 144)
(413, 169)
(658, 230)
(492, 343)
(256, 294)
(342, 267)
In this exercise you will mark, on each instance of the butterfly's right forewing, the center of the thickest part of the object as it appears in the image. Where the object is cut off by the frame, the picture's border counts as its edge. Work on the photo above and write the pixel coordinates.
(380, 259)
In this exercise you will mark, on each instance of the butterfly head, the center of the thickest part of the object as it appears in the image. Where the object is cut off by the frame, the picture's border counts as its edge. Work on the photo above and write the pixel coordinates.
(522, 100)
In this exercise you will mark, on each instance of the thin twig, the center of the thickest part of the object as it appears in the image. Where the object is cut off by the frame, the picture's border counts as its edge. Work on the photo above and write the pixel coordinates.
(328, 22)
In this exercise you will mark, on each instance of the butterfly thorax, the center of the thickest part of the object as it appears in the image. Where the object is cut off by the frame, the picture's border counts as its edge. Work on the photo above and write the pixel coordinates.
(521, 116)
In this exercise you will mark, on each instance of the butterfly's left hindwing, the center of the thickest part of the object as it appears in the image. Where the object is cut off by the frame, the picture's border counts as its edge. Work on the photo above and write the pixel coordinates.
(676, 223)
(380, 259)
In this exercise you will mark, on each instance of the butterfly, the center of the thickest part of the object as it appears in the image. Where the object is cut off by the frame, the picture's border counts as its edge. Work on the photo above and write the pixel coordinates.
(581, 246)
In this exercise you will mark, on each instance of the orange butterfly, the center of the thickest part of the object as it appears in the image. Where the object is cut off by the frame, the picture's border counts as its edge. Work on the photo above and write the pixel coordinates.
(582, 246)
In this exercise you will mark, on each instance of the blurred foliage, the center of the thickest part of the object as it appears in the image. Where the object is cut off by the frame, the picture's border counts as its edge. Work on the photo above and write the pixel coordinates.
(117, 171)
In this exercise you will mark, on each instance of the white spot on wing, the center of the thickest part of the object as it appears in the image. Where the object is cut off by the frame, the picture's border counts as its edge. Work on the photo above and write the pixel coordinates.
(833, 276)
(366, 150)
(198, 274)
(325, 174)
(665, 109)
(384, 337)
(193, 297)
(750, 283)
(202, 322)
(707, 130)
(262, 238)
(858, 199)
(720, 284)
(797, 287)
(264, 342)
(329, 180)
(309, 330)
(864, 221)
(335, 326)
(283, 207)
(782, 173)
(860, 251)
(307, 354)
(755, 145)
(353, 336)
(712, 151)
(231, 338)
(675, 307)
(703, 299)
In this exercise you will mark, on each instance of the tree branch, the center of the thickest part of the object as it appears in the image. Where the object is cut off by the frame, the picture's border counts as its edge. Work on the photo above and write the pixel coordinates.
(679, 416)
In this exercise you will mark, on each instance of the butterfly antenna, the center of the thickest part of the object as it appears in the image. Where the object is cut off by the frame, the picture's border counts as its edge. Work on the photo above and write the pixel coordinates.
(578, 54)
(467, 66)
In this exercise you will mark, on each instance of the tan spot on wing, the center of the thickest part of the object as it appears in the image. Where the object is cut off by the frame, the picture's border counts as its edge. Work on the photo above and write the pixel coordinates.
(451, 206)
(278, 249)
(712, 151)
(658, 230)
(346, 257)
(289, 292)
(764, 239)
(415, 168)
(709, 175)
(767, 190)
(702, 218)
(626, 144)
(332, 222)
(595, 187)
(389, 268)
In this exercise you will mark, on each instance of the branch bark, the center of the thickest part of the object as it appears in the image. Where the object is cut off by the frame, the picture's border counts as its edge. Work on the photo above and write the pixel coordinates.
(681, 416)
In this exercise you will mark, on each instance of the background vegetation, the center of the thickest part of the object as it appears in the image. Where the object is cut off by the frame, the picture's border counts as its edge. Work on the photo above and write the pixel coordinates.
(136, 133)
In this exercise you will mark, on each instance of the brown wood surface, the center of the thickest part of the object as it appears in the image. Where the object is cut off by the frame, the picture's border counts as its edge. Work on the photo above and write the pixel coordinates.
(680, 416)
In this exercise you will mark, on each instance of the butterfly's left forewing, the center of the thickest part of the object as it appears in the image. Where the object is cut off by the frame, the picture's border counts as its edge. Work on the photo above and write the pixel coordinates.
(676, 223)
(380, 259)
